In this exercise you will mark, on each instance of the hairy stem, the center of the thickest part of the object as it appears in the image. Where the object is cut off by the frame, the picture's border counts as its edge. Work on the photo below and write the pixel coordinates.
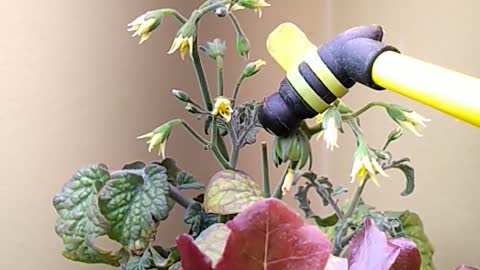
(197, 136)
(200, 73)
(265, 173)
(356, 198)
(277, 193)
(310, 131)
(364, 109)
(239, 143)
(169, 11)
(181, 199)
(219, 61)
(213, 143)
(237, 88)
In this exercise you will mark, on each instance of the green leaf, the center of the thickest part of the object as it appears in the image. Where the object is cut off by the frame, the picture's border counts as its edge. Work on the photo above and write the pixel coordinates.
(212, 241)
(196, 216)
(80, 222)
(172, 169)
(409, 176)
(186, 181)
(139, 263)
(413, 229)
(301, 197)
(135, 204)
(230, 192)
(161, 262)
(136, 165)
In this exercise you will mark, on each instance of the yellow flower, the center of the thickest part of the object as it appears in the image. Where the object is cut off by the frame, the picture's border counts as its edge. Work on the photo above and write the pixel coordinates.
(365, 164)
(185, 44)
(288, 181)
(253, 67)
(144, 25)
(159, 136)
(407, 119)
(256, 5)
(223, 108)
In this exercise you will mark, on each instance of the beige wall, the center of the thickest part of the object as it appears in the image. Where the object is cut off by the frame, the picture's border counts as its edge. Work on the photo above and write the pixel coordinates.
(75, 89)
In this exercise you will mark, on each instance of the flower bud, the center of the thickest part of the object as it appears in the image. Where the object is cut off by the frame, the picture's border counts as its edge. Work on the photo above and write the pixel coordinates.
(180, 95)
(159, 136)
(252, 68)
(243, 46)
(294, 148)
(216, 48)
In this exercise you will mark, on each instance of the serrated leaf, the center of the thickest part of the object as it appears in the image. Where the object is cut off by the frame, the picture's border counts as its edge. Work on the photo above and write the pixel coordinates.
(198, 219)
(304, 203)
(139, 263)
(409, 173)
(230, 192)
(413, 229)
(212, 241)
(186, 181)
(135, 204)
(80, 222)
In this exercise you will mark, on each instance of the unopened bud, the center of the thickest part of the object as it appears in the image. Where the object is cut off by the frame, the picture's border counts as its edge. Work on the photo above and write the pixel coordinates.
(180, 95)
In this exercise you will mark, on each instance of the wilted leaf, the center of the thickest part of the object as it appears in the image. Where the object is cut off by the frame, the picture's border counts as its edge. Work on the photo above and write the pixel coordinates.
(135, 204)
(370, 249)
(196, 216)
(212, 241)
(230, 192)
(266, 236)
(80, 222)
(409, 176)
(413, 229)
(186, 181)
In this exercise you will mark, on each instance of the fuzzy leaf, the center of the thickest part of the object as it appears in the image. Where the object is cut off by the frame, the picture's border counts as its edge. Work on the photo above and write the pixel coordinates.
(413, 229)
(80, 222)
(139, 263)
(196, 216)
(186, 181)
(230, 192)
(409, 176)
(135, 205)
(266, 236)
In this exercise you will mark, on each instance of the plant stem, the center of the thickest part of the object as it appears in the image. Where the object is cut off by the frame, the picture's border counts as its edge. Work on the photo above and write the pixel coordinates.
(356, 198)
(310, 131)
(179, 197)
(202, 81)
(236, 24)
(213, 142)
(237, 87)
(364, 109)
(330, 200)
(219, 61)
(169, 11)
(239, 143)
(197, 136)
(265, 173)
(278, 189)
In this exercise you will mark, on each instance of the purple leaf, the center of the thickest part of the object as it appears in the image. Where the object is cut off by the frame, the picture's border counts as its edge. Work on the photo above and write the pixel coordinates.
(191, 256)
(409, 256)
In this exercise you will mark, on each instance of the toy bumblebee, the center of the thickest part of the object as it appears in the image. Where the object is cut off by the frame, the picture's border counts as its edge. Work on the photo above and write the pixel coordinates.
(316, 77)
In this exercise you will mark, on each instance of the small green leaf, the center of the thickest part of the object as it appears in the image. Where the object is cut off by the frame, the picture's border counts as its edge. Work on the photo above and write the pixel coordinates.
(230, 192)
(212, 241)
(301, 197)
(186, 181)
(413, 229)
(139, 263)
(196, 216)
(135, 204)
(136, 165)
(409, 176)
(172, 169)
(80, 222)
(160, 262)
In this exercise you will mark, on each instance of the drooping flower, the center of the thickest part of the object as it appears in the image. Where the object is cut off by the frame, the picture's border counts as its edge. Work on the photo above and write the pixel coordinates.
(331, 123)
(288, 181)
(253, 67)
(184, 39)
(255, 5)
(223, 108)
(159, 136)
(145, 24)
(364, 164)
(407, 119)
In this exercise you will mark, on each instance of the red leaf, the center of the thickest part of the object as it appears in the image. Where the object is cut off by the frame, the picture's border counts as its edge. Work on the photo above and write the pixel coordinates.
(270, 236)
(409, 256)
(191, 257)
(370, 249)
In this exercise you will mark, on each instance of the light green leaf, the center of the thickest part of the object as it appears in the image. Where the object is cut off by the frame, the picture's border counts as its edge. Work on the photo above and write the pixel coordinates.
(80, 222)
(212, 241)
(413, 229)
(135, 204)
(230, 192)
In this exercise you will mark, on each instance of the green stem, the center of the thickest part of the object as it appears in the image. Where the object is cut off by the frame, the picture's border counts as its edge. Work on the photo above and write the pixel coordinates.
(330, 200)
(235, 23)
(197, 136)
(202, 81)
(169, 11)
(364, 109)
(219, 61)
(213, 142)
(237, 88)
(278, 189)
(310, 131)
(356, 198)
(238, 144)
(265, 173)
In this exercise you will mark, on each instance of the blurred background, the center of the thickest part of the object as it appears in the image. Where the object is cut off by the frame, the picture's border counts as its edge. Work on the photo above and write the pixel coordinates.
(75, 89)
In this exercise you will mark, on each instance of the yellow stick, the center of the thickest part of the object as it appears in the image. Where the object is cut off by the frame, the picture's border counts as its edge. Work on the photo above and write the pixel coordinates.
(445, 90)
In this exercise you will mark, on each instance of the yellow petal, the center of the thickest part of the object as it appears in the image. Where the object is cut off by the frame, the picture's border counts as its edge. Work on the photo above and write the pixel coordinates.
(175, 45)
(288, 181)
(148, 135)
(378, 168)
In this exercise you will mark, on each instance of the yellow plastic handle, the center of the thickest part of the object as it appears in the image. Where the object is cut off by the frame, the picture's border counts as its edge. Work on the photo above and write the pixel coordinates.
(445, 90)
